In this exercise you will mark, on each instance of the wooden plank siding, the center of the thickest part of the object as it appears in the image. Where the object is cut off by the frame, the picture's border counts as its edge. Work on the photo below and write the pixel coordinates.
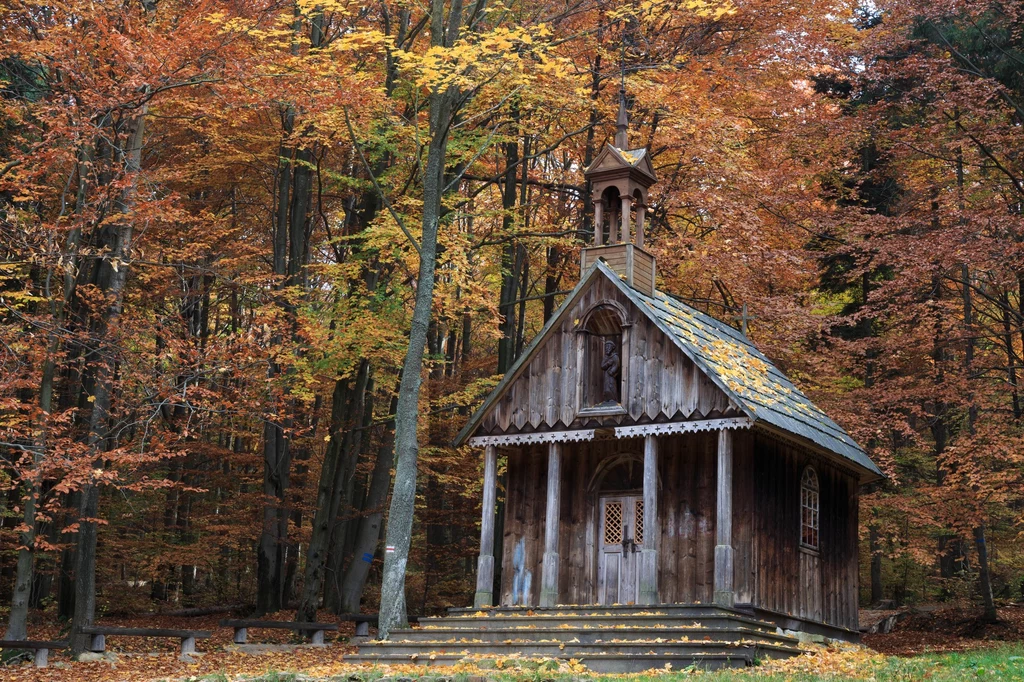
(659, 382)
(820, 586)
(626, 260)
(770, 569)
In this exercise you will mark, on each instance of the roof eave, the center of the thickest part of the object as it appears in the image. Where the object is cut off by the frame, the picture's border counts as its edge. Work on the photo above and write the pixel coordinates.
(864, 474)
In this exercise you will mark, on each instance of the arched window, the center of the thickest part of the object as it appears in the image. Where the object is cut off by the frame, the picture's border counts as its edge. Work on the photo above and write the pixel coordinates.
(809, 502)
(612, 216)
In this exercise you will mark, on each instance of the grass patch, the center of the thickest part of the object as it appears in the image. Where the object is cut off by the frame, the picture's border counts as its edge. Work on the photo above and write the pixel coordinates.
(1003, 663)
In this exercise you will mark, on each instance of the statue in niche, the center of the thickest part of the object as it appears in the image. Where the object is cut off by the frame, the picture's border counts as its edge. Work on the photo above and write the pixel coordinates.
(610, 369)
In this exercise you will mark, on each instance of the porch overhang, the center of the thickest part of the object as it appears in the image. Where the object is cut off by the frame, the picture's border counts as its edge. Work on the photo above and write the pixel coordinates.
(603, 432)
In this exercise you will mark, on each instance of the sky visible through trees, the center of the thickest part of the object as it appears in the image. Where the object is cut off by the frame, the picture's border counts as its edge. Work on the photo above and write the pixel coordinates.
(221, 224)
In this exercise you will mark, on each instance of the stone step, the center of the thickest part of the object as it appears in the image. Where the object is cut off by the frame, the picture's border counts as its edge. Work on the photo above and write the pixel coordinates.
(612, 639)
(685, 610)
(589, 635)
(605, 664)
(560, 619)
(539, 649)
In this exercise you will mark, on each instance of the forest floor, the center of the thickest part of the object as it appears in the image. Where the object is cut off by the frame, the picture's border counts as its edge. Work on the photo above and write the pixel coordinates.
(933, 644)
(934, 629)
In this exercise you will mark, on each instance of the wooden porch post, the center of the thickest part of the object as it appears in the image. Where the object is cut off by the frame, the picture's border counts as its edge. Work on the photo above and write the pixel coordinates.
(724, 595)
(649, 548)
(485, 564)
(624, 235)
(641, 212)
(549, 571)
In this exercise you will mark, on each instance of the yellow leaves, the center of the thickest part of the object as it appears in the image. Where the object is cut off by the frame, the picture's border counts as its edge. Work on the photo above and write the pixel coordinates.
(309, 7)
(846, 661)
(735, 363)
(252, 27)
(362, 41)
(576, 666)
(632, 157)
(652, 12)
(514, 55)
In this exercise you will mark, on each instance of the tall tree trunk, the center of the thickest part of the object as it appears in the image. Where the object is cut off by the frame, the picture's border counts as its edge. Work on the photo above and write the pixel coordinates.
(17, 624)
(269, 567)
(330, 488)
(948, 545)
(69, 396)
(112, 274)
(270, 553)
(291, 241)
(989, 614)
(368, 535)
(551, 281)
(510, 262)
(876, 565)
(984, 575)
(403, 497)
(343, 505)
(523, 289)
(512, 258)
(1011, 353)
(66, 576)
(316, 551)
(17, 627)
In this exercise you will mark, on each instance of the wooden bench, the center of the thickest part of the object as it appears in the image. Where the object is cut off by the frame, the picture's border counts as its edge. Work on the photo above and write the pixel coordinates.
(42, 649)
(315, 631)
(363, 621)
(98, 642)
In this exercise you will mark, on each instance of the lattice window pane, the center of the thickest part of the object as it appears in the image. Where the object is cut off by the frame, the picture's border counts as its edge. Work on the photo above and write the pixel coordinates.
(638, 523)
(809, 507)
(613, 523)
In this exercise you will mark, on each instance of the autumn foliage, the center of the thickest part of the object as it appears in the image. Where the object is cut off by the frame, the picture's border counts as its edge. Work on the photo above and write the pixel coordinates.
(210, 227)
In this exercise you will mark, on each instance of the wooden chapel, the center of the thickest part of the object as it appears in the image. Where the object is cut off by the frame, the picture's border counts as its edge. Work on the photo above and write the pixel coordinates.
(655, 456)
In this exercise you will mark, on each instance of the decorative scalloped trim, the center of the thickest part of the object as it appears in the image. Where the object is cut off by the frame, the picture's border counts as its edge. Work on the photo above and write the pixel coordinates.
(580, 435)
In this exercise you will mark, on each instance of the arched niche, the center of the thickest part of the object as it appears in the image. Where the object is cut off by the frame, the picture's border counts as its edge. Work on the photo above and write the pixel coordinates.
(621, 471)
(602, 352)
(638, 217)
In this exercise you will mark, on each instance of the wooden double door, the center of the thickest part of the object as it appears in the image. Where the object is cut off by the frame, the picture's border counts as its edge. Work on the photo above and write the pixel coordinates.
(621, 533)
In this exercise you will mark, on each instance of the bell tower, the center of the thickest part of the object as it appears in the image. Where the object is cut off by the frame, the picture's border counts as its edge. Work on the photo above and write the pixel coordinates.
(619, 179)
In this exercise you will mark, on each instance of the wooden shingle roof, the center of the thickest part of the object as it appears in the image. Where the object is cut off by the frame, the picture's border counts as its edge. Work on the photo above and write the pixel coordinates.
(751, 379)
